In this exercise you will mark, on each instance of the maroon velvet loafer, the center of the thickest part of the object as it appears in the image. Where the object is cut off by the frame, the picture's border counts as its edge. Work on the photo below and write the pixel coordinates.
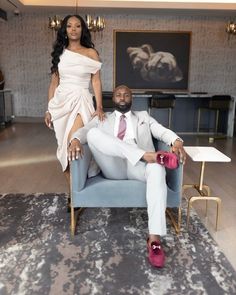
(167, 159)
(156, 255)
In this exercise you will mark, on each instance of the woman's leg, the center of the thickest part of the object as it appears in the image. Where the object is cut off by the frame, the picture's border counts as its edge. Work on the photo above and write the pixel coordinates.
(78, 123)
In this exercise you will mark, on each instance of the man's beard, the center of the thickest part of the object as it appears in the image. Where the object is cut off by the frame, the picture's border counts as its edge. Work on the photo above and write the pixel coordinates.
(123, 108)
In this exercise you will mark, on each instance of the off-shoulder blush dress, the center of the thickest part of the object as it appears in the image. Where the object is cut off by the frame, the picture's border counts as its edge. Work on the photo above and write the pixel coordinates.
(71, 97)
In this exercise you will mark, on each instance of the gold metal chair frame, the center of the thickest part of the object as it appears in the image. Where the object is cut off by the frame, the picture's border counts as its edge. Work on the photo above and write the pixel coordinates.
(175, 223)
(75, 212)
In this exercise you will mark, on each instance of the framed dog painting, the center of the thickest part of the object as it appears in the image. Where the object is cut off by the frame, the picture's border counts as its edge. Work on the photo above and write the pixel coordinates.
(152, 60)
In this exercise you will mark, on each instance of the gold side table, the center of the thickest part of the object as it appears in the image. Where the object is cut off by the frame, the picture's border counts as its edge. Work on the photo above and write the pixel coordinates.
(203, 154)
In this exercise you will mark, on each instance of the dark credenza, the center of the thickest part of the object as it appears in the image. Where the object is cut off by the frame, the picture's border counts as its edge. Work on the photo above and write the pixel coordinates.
(184, 114)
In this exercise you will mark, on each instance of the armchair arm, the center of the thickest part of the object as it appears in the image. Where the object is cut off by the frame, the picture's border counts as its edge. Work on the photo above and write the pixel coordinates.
(174, 178)
(79, 170)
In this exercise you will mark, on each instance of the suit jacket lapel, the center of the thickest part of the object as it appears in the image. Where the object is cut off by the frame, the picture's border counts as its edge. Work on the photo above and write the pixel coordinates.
(110, 121)
(134, 119)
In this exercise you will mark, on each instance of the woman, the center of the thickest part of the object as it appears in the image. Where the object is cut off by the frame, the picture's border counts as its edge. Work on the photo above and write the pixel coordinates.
(75, 65)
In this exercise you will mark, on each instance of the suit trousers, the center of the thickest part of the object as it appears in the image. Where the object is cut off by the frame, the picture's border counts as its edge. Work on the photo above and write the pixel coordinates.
(121, 160)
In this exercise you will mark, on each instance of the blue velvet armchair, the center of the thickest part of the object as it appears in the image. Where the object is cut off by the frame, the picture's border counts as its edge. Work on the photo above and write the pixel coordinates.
(101, 192)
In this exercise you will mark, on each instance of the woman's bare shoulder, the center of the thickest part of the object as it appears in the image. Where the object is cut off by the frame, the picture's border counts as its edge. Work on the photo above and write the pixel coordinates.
(92, 53)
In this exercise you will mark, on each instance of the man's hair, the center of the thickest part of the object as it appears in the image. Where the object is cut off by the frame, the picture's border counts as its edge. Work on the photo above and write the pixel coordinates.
(122, 86)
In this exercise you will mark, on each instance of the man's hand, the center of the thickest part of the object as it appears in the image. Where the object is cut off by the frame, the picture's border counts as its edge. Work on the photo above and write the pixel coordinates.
(75, 150)
(178, 149)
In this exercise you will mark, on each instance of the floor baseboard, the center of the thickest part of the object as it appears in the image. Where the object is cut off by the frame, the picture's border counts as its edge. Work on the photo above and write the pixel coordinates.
(28, 120)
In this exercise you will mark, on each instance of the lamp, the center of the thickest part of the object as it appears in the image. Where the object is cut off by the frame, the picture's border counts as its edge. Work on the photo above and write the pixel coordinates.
(231, 28)
(54, 22)
(96, 24)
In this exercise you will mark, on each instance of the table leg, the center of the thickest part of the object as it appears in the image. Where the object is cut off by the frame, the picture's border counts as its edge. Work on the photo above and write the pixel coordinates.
(204, 194)
(201, 176)
(211, 198)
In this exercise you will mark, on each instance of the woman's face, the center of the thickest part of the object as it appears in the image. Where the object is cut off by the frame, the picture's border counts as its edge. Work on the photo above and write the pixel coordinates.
(73, 28)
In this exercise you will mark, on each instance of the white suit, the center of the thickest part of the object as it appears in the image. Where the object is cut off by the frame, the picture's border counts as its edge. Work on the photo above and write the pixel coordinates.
(121, 160)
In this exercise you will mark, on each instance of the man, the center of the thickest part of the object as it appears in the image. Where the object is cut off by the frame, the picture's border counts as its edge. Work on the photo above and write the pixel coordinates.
(123, 149)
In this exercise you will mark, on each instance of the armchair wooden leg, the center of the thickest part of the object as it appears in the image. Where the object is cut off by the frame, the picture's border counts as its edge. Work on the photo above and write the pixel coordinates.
(74, 214)
(176, 224)
(188, 212)
(72, 221)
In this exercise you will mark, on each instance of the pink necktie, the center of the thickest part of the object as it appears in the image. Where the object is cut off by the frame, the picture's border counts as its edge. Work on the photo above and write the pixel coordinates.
(122, 127)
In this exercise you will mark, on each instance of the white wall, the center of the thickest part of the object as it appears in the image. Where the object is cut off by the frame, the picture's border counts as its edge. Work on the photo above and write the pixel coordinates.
(26, 42)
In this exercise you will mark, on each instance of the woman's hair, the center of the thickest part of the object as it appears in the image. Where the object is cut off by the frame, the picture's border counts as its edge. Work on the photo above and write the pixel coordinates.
(62, 41)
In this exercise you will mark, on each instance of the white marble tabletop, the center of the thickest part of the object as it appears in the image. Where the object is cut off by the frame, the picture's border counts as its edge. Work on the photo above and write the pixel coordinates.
(206, 154)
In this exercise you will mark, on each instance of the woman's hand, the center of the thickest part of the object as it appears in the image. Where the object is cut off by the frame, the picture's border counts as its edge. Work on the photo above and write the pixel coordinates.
(75, 150)
(48, 120)
(99, 112)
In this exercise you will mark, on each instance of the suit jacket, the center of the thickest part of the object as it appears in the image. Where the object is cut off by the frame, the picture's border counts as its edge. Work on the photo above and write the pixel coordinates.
(144, 128)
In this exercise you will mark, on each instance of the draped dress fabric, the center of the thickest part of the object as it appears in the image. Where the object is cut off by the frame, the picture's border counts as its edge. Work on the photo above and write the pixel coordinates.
(71, 97)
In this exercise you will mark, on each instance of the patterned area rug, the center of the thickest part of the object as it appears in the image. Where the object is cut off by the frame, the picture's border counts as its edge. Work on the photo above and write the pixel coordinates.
(107, 255)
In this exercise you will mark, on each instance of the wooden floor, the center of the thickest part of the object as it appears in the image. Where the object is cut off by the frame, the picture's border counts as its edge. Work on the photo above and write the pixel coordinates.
(28, 164)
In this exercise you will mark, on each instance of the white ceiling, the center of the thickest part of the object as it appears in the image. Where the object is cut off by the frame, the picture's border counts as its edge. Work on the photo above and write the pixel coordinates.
(190, 4)
(152, 5)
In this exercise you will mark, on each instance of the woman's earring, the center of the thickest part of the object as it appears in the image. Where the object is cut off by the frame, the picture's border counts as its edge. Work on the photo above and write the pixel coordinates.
(66, 37)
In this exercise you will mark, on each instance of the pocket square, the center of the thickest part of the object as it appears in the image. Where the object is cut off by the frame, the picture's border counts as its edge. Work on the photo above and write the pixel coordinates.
(141, 123)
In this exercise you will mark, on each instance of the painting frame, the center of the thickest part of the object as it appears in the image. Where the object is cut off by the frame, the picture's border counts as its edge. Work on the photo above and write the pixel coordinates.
(152, 60)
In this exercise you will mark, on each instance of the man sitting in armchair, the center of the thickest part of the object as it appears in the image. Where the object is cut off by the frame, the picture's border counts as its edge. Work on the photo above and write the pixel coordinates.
(123, 148)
